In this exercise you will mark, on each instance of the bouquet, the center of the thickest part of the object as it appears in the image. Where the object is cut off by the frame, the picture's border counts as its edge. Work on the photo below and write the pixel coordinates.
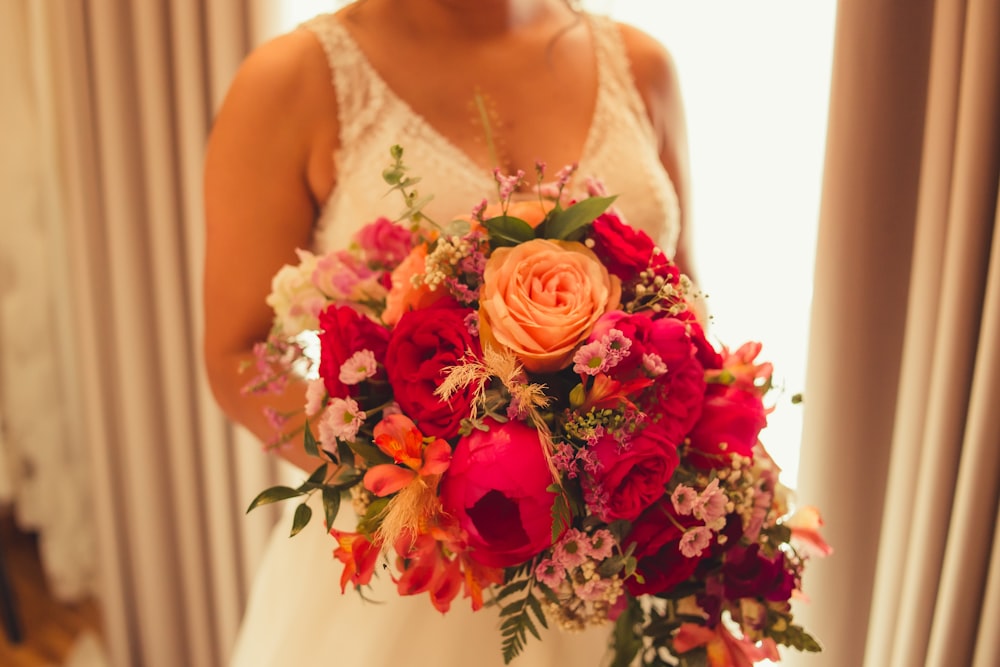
(522, 408)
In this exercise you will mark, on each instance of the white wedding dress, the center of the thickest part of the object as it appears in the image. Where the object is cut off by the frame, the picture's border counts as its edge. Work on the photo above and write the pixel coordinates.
(296, 614)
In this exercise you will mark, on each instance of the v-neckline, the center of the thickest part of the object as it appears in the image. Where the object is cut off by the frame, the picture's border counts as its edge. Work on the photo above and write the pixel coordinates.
(458, 154)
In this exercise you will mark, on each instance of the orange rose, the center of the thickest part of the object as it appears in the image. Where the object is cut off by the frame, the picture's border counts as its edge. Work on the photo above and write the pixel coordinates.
(540, 299)
(403, 296)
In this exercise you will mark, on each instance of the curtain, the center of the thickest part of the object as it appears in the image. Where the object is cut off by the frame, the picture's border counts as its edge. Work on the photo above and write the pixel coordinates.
(131, 87)
(901, 438)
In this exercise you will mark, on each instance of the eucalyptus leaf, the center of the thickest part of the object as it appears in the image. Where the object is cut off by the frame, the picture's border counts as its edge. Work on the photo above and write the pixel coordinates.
(302, 515)
(506, 230)
(331, 505)
(272, 495)
(566, 224)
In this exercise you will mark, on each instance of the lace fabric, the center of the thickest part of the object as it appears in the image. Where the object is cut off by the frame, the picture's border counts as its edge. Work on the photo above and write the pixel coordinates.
(620, 149)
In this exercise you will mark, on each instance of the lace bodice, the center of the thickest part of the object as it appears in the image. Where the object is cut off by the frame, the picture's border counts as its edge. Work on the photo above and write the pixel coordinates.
(620, 149)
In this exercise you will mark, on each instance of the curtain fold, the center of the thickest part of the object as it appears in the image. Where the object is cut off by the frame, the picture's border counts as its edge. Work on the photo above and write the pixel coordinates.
(901, 435)
(137, 84)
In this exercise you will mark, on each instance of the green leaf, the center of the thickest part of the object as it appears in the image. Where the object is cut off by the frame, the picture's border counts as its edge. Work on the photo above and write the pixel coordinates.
(506, 230)
(562, 518)
(566, 224)
(536, 607)
(312, 446)
(369, 452)
(317, 477)
(627, 636)
(302, 515)
(273, 495)
(331, 505)
(512, 587)
(370, 521)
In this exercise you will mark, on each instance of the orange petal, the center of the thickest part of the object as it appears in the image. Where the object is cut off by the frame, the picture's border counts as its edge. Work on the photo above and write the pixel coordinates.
(387, 478)
(437, 458)
(399, 437)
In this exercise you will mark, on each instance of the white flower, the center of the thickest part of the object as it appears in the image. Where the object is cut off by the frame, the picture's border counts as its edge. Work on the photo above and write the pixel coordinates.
(315, 393)
(294, 298)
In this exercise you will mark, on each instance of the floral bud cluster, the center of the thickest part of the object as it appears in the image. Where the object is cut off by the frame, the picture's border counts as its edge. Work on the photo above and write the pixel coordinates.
(582, 594)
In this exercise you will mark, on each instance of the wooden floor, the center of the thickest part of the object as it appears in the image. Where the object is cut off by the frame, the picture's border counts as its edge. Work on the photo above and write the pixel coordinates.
(49, 628)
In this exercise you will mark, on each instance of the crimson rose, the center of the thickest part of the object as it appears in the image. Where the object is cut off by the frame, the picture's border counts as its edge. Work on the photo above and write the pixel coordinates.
(623, 249)
(730, 422)
(631, 478)
(497, 489)
(344, 331)
(656, 535)
(423, 344)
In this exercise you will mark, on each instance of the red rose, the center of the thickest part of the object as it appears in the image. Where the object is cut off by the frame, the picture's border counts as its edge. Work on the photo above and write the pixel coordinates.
(631, 478)
(344, 331)
(623, 249)
(749, 574)
(676, 396)
(497, 489)
(656, 535)
(423, 344)
(730, 422)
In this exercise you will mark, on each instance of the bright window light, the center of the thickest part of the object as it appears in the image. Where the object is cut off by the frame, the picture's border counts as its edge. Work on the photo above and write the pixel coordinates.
(755, 78)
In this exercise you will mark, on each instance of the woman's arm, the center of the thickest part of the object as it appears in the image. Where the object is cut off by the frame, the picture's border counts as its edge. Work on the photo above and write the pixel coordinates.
(263, 177)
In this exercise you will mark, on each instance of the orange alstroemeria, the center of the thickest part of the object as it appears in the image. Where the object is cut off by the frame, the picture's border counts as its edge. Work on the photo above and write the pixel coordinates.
(358, 555)
(740, 370)
(722, 648)
(399, 437)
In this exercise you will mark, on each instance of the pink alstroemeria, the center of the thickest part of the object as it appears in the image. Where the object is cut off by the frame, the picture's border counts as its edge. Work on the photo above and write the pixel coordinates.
(399, 437)
(722, 648)
(805, 524)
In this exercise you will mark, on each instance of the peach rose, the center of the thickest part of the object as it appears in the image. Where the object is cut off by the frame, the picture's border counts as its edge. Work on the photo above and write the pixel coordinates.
(540, 299)
(403, 296)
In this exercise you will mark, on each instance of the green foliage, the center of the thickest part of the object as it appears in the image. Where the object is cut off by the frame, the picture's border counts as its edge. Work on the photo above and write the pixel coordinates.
(331, 505)
(562, 517)
(311, 445)
(302, 515)
(519, 617)
(272, 495)
(627, 636)
(570, 223)
(506, 230)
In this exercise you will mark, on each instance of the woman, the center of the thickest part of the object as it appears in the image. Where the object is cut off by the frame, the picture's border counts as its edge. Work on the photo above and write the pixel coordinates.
(295, 161)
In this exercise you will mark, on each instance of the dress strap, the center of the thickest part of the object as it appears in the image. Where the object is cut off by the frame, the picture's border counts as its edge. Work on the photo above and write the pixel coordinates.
(615, 76)
(360, 92)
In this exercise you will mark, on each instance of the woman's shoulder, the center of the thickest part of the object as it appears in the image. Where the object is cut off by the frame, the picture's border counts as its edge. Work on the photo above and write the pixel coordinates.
(652, 63)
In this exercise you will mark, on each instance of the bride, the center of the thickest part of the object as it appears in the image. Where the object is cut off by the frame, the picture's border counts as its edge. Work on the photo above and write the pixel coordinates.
(294, 161)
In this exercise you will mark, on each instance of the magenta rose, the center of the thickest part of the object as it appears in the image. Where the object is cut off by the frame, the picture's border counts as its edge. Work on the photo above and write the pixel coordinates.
(731, 419)
(344, 331)
(676, 395)
(656, 535)
(497, 489)
(423, 344)
(624, 250)
(385, 243)
(631, 478)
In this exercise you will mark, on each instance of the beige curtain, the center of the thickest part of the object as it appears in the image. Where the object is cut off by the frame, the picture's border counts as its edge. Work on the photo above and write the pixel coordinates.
(134, 85)
(901, 440)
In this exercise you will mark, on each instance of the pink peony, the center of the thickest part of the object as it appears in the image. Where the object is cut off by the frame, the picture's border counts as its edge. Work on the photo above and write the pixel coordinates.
(497, 488)
(385, 244)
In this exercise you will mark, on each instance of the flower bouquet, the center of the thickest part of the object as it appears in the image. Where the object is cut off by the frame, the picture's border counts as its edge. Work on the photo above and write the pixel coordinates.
(522, 407)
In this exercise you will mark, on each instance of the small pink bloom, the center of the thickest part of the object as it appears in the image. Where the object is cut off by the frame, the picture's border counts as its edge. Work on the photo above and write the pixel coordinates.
(571, 551)
(590, 359)
(711, 503)
(594, 588)
(359, 367)
(694, 541)
(550, 573)
(602, 544)
(653, 364)
(684, 499)
(341, 421)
